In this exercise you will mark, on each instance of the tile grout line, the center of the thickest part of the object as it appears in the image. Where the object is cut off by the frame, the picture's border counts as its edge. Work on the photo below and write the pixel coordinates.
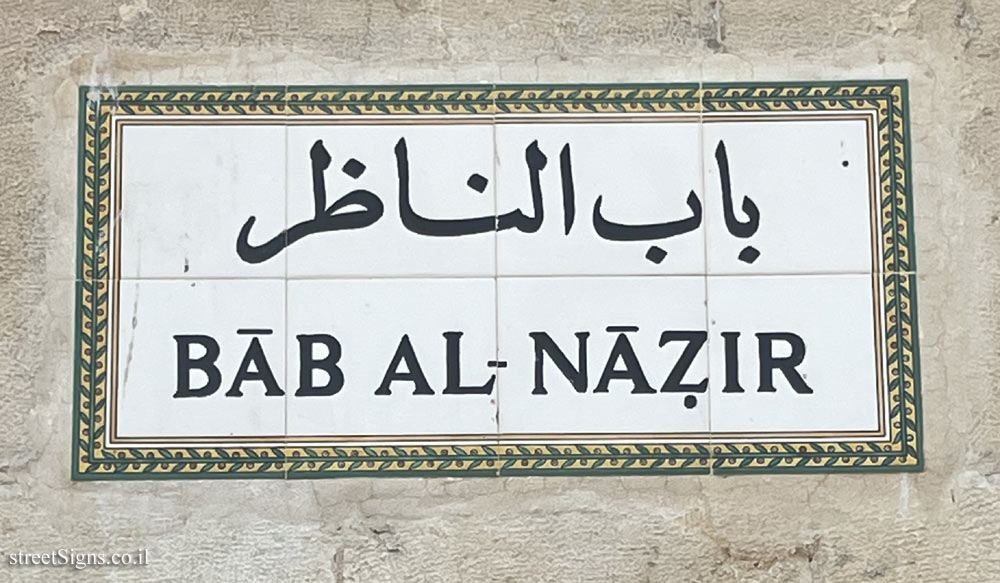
(285, 255)
(705, 271)
(510, 276)
(496, 276)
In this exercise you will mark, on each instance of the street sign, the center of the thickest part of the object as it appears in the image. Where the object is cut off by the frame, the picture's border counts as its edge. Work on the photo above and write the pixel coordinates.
(495, 280)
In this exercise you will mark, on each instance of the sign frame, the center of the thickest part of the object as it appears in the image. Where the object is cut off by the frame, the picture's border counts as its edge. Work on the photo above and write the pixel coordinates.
(896, 275)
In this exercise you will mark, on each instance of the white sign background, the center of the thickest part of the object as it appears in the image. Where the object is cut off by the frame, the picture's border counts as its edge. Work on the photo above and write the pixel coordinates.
(188, 187)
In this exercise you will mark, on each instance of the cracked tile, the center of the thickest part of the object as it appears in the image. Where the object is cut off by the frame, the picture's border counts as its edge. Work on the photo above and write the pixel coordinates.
(217, 372)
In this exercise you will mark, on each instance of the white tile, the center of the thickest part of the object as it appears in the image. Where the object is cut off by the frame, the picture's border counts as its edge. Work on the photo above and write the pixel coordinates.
(369, 319)
(565, 307)
(809, 182)
(643, 174)
(441, 161)
(152, 314)
(833, 318)
(188, 190)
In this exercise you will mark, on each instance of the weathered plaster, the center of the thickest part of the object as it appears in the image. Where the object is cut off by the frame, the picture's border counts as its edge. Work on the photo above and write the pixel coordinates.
(939, 525)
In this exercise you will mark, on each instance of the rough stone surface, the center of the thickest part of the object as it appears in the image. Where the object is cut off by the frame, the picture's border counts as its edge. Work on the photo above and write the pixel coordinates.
(939, 525)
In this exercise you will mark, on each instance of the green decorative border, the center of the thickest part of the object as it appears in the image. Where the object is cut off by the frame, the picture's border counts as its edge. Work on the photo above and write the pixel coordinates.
(98, 106)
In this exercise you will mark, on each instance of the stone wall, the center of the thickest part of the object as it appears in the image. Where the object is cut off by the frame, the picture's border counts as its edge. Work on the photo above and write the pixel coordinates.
(938, 525)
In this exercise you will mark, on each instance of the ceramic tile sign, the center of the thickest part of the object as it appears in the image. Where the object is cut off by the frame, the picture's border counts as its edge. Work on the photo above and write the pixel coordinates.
(495, 280)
